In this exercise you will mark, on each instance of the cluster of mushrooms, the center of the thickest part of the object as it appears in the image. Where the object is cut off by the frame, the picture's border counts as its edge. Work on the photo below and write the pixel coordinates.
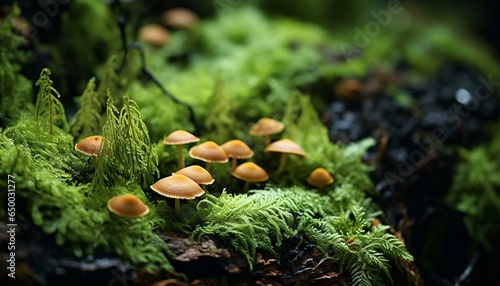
(158, 34)
(189, 182)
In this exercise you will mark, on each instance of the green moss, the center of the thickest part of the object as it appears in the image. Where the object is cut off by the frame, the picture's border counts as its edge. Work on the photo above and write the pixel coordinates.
(476, 190)
(160, 113)
(305, 128)
(88, 119)
(45, 171)
(55, 184)
(74, 211)
(247, 53)
(365, 252)
(49, 110)
(245, 222)
(126, 153)
(221, 118)
(10, 41)
(15, 89)
(236, 69)
(262, 219)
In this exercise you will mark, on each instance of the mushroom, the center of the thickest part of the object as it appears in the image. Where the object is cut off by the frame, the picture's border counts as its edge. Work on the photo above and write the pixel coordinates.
(266, 127)
(285, 147)
(208, 152)
(198, 174)
(375, 222)
(179, 18)
(177, 187)
(153, 34)
(90, 147)
(128, 206)
(349, 89)
(179, 138)
(320, 178)
(250, 173)
(237, 149)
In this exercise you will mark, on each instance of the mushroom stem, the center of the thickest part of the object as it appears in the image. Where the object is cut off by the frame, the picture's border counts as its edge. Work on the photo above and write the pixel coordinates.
(282, 164)
(181, 158)
(234, 164)
(268, 139)
(245, 188)
(93, 161)
(207, 167)
(178, 206)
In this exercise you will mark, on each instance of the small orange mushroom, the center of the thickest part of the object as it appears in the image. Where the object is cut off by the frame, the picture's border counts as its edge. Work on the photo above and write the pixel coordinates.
(180, 138)
(209, 152)
(349, 89)
(266, 127)
(198, 174)
(178, 187)
(154, 34)
(128, 206)
(285, 147)
(320, 178)
(250, 173)
(237, 149)
(375, 222)
(179, 18)
(90, 146)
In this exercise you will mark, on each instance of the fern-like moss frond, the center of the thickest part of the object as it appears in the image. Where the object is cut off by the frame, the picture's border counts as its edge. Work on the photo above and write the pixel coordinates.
(262, 218)
(126, 153)
(49, 110)
(245, 222)
(476, 189)
(88, 119)
(366, 253)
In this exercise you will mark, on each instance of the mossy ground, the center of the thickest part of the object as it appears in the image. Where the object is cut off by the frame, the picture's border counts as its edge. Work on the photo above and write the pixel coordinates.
(233, 76)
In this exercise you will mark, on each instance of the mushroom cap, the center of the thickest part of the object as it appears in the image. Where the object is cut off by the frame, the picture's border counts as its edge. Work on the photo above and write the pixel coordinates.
(90, 145)
(179, 18)
(285, 146)
(250, 172)
(349, 89)
(237, 149)
(153, 34)
(266, 126)
(127, 206)
(198, 174)
(208, 152)
(180, 137)
(320, 177)
(178, 186)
